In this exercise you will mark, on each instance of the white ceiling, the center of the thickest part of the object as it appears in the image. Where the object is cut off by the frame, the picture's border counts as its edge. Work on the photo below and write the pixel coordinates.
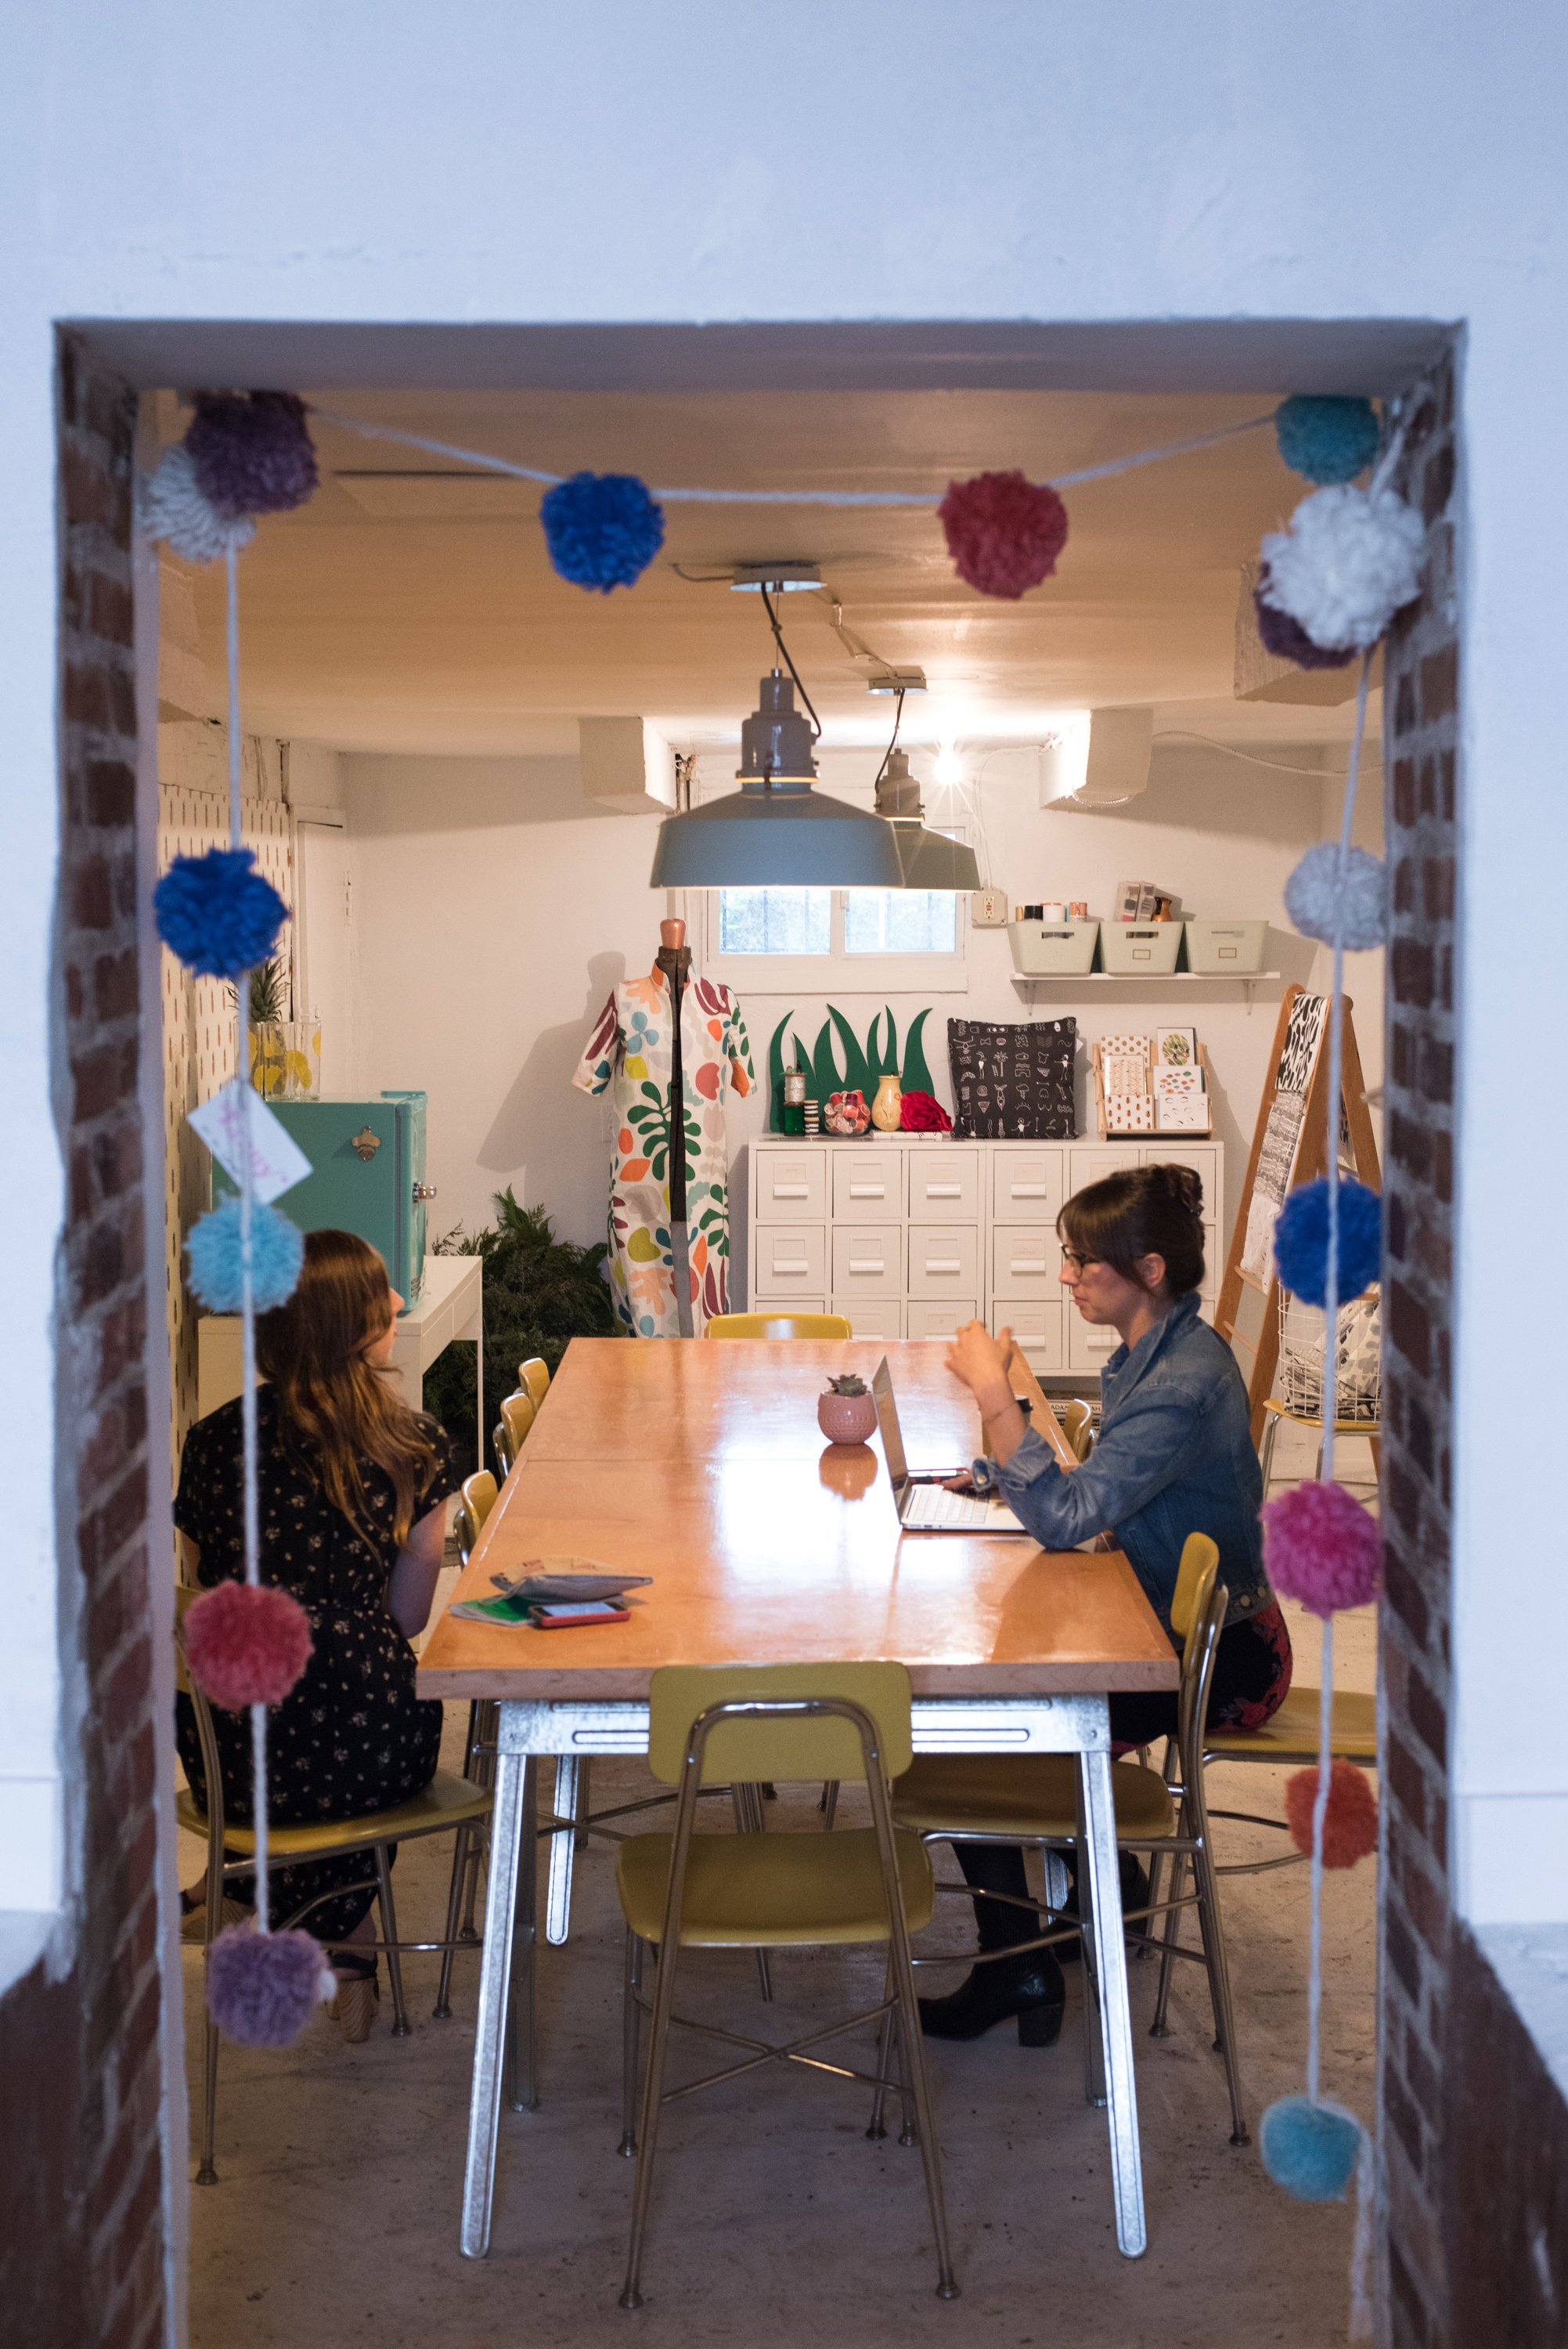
(401, 612)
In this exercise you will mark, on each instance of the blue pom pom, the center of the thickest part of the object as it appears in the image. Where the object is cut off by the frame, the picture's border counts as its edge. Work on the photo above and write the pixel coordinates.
(1300, 1240)
(217, 912)
(1309, 2149)
(213, 1252)
(602, 529)
(1328, 440)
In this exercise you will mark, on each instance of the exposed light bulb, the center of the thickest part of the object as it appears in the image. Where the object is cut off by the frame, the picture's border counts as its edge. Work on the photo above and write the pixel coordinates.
(949, 765)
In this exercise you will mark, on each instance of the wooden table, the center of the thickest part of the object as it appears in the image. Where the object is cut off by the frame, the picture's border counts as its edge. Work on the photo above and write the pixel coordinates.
(699, 1462)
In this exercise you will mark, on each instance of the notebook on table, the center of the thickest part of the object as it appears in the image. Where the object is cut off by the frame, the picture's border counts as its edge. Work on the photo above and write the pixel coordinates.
(924, 1505)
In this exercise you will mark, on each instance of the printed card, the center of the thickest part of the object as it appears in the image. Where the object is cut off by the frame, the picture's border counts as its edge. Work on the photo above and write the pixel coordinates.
(238, 1114)
(1133, 1047)
(1182, 1113)
(1175, 1048)
(1120, 1073)
(1168, 1082)
(1129, 1114)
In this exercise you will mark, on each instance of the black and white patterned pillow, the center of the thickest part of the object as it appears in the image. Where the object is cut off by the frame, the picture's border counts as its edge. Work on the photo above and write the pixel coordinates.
(1013, 1080)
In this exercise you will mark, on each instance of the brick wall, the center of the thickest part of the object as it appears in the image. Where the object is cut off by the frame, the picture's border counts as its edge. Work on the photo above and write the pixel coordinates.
(83, 2215)
(1421, 734)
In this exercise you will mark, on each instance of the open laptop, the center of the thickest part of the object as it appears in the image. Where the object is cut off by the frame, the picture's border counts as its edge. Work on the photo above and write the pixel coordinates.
(925, 1507)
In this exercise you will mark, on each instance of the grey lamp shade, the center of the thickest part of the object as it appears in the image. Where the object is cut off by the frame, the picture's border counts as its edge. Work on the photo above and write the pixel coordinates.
(789, 837)
(931, 861)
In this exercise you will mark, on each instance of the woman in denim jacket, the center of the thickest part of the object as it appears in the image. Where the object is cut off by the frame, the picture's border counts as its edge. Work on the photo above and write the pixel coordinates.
(1174, 1456)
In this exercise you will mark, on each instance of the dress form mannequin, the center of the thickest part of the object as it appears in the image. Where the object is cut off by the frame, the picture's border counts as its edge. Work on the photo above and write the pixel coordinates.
(674, 961)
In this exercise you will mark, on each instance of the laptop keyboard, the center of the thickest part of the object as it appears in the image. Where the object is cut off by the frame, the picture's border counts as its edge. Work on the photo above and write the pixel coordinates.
(933, 1509)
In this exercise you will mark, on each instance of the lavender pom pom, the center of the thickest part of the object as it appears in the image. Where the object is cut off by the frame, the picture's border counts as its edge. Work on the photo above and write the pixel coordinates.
(1316, 896)
(1347, 563)
(217, 912)
(603, 530)
(213, 1253)
(263, 1988)
(252, 452)
(1287, 640)
(174, 509)
(1328, 438)
(1301, 1241)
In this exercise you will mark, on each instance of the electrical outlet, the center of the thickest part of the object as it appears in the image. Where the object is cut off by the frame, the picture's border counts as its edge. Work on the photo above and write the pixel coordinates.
(988, 909)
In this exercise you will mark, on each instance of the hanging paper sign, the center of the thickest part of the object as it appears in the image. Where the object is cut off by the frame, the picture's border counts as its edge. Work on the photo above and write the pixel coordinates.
(277, 1162)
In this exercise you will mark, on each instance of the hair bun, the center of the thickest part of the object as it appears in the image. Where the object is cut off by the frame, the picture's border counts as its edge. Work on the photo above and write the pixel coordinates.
(1182, 1184)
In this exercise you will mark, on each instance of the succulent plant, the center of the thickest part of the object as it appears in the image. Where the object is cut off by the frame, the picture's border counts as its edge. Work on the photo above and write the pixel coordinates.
(847, 1384)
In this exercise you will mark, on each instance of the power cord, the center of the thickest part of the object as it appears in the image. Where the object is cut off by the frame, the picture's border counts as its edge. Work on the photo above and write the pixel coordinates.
(893, 743)
(784, 655)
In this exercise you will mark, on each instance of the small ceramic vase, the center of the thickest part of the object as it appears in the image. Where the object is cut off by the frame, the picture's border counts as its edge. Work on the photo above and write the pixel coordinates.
(847, 1419)
(888, 1106)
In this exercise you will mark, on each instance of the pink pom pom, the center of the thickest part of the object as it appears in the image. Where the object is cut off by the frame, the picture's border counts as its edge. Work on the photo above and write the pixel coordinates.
(1349, 1817)
(1321, 1546)
(263, 1988)
(1003, 532)
(247, 1645)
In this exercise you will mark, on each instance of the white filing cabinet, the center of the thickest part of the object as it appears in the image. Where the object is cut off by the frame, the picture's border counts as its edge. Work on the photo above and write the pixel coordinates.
(909, 1237)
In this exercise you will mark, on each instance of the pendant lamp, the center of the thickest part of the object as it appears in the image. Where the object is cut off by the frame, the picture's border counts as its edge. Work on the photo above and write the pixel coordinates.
(777, 832)
(928, 860)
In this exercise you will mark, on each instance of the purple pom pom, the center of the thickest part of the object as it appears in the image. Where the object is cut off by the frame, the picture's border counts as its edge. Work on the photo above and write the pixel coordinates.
(1321, 1548)
(603, 530)
(217, 912)
(263, 1988)
(1301, 1241)
(1288, 640)
(252, 452)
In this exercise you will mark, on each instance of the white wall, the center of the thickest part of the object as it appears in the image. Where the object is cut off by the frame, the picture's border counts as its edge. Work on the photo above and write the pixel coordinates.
(183, 161)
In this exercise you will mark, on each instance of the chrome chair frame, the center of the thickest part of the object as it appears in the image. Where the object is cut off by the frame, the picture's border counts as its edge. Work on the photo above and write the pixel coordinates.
(897, 2009)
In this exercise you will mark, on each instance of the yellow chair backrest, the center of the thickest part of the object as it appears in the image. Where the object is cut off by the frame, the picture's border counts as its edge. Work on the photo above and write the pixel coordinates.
(475, 1503)
(752, 1750)
(1200, 1557)
(533, 1377)
(1077, 1426)
(517, 1416)
(778, 1325)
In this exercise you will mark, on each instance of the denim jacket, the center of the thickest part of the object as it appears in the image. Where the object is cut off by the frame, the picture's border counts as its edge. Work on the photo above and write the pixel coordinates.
(1175, 1457)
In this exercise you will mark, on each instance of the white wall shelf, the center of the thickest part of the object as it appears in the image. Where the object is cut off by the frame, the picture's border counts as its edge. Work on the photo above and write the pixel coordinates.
(1147, 983)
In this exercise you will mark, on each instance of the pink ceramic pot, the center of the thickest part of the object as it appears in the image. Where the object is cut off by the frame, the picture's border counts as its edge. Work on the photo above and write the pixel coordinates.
(846, 1418)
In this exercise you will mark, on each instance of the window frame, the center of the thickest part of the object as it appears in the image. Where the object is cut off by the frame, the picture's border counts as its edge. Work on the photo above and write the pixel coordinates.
(838, 971)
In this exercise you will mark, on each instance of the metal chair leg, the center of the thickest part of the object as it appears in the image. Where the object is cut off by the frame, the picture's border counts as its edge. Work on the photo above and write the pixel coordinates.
(570, 1772)
(400, 2024)
(522, 2021)
(745, 1802)
(584, 1798)
(631, 2042)
(1213, 1932)
(914, 2072)
(206, 2175)
(442, 2011)
(884, 2050)
(479, 1766)
(648, 2126)
(1160, 2028)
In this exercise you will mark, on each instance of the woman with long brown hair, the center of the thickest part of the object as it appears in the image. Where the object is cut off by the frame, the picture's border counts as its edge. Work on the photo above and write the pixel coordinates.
(352, 1524)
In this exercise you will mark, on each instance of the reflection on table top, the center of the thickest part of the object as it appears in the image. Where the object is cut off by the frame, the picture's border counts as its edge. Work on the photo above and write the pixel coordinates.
(701, 1465)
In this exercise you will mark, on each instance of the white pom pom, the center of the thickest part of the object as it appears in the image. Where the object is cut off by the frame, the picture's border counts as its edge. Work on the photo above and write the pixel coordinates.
(1315, 896)
(1347, 562)
(173, 508)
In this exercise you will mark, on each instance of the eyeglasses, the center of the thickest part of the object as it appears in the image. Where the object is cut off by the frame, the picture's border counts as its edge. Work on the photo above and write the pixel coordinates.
(1077, 1265)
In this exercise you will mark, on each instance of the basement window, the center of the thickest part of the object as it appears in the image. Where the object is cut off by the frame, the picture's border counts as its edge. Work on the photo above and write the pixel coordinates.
(769, 940)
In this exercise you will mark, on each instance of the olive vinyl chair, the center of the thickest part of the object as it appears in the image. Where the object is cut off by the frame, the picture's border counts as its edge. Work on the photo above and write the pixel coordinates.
(518, 1412)
(1077, 1426)
(475, 1502)
(778, 1325)
(1033, 1799)
(533, 1377)
(868, 1886)
(446, 1805)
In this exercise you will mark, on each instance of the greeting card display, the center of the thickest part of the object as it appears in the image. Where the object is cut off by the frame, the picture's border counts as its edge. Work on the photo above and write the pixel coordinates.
(1153, 1084)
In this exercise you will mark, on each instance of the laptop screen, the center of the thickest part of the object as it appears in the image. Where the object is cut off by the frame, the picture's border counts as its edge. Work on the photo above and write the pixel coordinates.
(887, 1420)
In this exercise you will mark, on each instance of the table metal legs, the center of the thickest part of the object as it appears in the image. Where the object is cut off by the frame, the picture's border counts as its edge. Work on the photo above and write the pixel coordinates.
(571, 1772)
(1109, 1972)
(513, 1773)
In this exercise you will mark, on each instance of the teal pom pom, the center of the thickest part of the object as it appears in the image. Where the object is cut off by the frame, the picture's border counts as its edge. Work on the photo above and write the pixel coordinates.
(1301, 1241)
(603, 530)
(1328, 440)
(217, 912)
(1310, 2149)
(213, 1252)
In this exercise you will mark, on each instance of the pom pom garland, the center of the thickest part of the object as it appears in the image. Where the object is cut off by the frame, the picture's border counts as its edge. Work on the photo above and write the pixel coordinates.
(1287, 640)
(1321, 1548)
(1328, 440)
(603, 530)
(1319, 901)
(1301, 1241)
(213, 1254)
(252, 452)
(1309, 2149)
(1003, 532)
(217, 912)
(246, 1643)
(1349, 1817)
(174, 509)
(1349, 560)
(263, 1988)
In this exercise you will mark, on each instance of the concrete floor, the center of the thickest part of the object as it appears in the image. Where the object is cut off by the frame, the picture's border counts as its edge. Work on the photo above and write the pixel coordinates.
(775, 2221)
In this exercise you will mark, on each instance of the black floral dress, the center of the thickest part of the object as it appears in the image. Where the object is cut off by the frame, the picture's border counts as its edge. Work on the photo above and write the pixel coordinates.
(352, 1736)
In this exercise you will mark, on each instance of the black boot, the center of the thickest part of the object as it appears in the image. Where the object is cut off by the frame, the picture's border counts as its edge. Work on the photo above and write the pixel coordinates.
(1029, 1986)
(1134, 1878)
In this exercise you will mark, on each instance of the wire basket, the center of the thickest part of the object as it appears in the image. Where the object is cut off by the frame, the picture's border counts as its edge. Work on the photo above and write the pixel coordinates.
(1358, 1376)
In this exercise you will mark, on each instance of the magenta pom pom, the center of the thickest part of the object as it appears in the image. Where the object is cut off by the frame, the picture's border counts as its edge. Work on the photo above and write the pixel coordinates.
(1349, 1815)
(246, 1643)
(1321, 1548)
(263, 1988)
(252, 452)
(1003, 532)
(1288, 640)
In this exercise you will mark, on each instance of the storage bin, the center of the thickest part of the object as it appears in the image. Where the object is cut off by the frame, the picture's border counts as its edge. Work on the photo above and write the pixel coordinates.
(1042, 949)
(1215, 947)
(1140, 949)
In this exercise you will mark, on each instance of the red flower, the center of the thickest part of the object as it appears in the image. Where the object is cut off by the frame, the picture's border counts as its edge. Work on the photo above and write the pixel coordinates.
(924, 1113)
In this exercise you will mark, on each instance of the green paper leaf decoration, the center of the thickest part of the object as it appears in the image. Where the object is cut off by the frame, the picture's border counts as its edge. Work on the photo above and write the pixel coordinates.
(824, 1067)
(775, 1077)
(857, 1069)
(916, 1077)
(888, 1065)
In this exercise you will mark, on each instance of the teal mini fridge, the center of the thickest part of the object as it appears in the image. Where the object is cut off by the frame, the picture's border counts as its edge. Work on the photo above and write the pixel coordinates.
(368, 1176)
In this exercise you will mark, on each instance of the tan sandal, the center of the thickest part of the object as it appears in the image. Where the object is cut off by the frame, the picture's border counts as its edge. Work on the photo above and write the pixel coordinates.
(355, 2005)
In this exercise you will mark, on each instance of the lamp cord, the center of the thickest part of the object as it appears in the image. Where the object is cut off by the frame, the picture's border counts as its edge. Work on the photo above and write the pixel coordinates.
(892, 741)
(784, 655)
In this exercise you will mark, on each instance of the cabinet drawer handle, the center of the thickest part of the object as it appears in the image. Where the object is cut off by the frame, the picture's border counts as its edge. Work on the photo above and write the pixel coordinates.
(791, 1190)
(1034, 1265)
(868, 1191)
(867, 1264)
(945, 1190)
(788, 1271)
(943, 1264)
(1027, 1191)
